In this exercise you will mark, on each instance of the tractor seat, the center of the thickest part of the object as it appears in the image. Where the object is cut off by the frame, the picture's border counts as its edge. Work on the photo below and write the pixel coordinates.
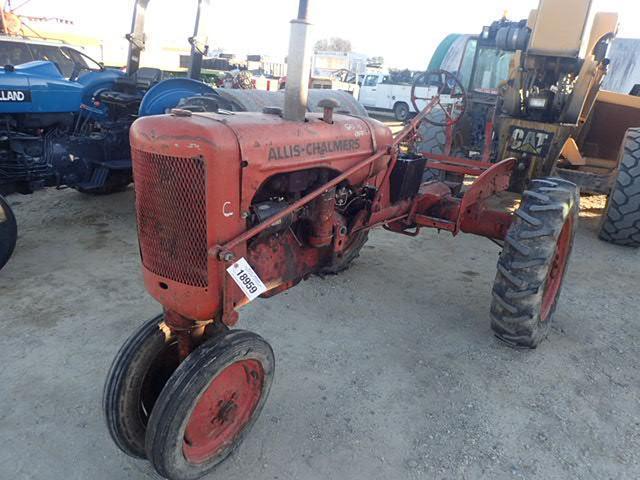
(131, 89)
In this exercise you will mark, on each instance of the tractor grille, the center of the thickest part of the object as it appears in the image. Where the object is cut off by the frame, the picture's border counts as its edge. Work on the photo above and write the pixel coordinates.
(171, 211)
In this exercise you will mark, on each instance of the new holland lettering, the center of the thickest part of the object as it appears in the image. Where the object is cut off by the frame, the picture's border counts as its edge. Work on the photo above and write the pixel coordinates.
(314, 149)
(15, 96)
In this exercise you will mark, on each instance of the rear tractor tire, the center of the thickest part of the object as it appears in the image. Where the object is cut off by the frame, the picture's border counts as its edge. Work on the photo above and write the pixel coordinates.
(116, 182)
(621, 221)
(534, 261)
(8, 232)
(343, 261)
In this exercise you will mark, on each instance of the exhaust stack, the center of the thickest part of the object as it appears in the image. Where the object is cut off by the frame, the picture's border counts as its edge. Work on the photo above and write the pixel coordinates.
(298, 67)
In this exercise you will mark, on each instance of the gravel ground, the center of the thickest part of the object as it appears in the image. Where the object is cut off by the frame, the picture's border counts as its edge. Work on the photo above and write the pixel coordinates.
(388, 371)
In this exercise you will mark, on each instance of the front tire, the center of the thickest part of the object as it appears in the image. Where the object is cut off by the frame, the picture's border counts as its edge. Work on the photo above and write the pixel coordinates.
(209, 404)
(8, 232)
(534, 261)
(621, 221)
(138, 373)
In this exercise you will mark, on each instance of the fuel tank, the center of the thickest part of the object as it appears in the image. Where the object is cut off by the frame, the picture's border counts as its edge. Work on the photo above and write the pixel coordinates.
(195, 176)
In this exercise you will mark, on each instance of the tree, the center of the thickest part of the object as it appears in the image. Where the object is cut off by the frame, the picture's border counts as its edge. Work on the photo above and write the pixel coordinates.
(334, 44)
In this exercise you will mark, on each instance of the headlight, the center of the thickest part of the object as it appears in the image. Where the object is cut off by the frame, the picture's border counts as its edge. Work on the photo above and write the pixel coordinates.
(538, 103)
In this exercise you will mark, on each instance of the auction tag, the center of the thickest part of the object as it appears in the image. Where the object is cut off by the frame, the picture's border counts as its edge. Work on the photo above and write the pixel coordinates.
(247, 279)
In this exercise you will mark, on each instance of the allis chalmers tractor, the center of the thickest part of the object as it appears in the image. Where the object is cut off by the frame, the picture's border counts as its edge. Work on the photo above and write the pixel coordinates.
(234, 206)
(533, 93)
(66, 119)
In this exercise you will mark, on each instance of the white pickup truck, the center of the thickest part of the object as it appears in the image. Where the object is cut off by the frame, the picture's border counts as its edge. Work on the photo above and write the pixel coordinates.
(378, 94)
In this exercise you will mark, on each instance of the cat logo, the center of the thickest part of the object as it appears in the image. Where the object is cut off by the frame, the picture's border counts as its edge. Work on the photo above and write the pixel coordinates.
(533, 142)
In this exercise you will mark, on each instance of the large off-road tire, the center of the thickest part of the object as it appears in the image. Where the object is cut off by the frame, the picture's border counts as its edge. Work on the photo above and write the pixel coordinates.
(343, 261)
(209, 404)
(621, 221)
(137, 376)
(433, 139)
(8, 232)
(534, 261)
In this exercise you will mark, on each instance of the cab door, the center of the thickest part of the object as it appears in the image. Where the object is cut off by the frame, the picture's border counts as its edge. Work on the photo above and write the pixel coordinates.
(369, 91)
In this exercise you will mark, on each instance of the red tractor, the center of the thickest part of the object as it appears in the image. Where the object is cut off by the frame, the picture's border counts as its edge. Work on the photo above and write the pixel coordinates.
(232, 206)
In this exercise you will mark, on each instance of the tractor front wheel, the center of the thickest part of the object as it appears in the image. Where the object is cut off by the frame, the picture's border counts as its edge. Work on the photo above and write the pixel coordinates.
(137, 376)
(534, 261)
(8, 232)
(209, 404)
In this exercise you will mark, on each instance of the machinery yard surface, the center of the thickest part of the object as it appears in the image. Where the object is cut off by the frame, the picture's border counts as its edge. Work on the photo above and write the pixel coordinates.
(387, 371)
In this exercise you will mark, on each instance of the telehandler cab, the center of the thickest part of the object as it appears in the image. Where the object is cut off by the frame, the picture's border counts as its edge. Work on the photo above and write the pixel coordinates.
(232, 206)
(533, 93)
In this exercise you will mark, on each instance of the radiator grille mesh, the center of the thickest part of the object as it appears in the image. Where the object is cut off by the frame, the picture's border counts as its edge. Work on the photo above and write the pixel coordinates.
(171, 213)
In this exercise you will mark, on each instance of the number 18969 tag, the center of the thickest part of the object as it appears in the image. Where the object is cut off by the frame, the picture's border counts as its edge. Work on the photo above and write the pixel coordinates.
(247, 279)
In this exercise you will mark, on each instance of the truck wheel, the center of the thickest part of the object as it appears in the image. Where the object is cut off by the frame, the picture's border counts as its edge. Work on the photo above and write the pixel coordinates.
(621, 221)
(137, 375)
(8, 232)
(342, 262)
(401, 111)
(209, 404)
(533, 262)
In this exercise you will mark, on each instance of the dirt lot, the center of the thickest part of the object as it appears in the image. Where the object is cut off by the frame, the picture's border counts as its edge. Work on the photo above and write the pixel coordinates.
(388, 371)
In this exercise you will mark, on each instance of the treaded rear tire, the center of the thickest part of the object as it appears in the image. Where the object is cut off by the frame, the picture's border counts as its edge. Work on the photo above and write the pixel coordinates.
(341, 263)
(8, 232)
(116, 182)
(528, 259)
(621, 221)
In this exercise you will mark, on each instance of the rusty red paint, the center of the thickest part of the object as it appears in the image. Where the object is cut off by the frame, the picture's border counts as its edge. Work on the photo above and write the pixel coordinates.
(247, 149)
(556, 272)
(223, 410)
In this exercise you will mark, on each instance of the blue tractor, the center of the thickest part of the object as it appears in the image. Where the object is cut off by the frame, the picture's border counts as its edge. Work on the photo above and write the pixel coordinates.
(65, 118)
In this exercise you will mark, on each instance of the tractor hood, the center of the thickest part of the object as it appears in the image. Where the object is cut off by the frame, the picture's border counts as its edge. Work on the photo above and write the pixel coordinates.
(39, 87)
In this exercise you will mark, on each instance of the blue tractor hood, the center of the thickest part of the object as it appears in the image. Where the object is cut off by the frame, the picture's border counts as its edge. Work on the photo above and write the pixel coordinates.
(39, 87)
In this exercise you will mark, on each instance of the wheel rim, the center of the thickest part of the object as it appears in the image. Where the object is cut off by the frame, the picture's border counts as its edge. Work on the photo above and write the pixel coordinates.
(223, 410)
(556, 272)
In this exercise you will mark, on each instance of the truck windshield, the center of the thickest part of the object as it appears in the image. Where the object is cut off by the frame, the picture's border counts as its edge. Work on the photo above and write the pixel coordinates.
(492, 68)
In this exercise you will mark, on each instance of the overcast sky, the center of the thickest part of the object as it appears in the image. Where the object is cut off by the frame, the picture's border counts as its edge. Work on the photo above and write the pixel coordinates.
(404, 32)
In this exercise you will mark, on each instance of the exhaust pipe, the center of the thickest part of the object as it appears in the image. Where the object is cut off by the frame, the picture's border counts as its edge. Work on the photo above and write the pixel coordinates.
(298, 67)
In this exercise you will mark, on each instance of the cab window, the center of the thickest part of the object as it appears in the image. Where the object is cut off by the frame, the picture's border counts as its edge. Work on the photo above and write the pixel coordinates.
(466, 64)
(13, 53)
(54, 54)
(492, 68)
(371, 81)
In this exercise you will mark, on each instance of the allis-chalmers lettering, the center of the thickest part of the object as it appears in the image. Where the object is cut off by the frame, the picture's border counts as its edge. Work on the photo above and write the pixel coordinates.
(313, 149)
